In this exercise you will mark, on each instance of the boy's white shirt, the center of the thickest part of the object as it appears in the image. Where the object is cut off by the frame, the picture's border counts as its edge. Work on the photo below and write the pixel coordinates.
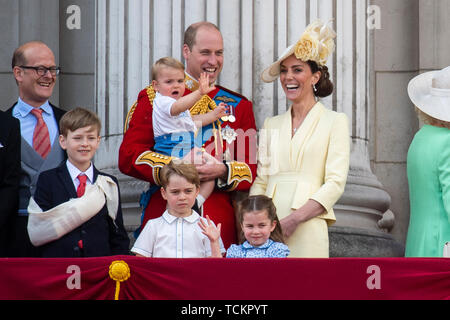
(171, 237)
(164, 123)
(75, 172)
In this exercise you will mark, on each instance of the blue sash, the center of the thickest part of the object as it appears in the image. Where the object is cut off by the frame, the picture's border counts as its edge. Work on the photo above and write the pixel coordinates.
(175, 144)
(221, 96)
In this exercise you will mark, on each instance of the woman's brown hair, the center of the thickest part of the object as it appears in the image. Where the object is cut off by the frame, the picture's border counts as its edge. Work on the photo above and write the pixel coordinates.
(324, 86)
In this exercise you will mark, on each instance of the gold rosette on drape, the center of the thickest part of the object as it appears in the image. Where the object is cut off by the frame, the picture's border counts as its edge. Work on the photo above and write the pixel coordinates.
(119, 271)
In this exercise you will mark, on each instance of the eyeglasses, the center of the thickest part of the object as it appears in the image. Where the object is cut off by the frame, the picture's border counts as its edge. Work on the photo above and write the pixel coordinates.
(42, 71)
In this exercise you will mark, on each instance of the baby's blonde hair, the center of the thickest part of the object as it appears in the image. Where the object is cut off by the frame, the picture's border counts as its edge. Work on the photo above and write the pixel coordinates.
(166, 62)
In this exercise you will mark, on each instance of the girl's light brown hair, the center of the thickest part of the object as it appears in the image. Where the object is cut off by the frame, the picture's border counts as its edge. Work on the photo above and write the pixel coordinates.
(261, 203)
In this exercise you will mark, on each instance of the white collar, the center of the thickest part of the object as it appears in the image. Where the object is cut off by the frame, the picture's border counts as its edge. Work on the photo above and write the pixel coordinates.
(265, 245)
(75, 172)
(191, 219)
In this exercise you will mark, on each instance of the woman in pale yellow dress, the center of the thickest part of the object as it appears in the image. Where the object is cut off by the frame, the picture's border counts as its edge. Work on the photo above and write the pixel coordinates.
(304, 154)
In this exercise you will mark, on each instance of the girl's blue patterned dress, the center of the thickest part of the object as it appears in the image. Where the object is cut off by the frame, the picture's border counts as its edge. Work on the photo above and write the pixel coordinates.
(270, 249)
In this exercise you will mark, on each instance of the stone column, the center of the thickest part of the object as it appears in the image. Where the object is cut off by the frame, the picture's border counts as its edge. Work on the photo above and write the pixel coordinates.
(363, 215)
(77, 54)
(9, 15)
(411, 39)
(434, 42)
(39, 20)
(122, 70)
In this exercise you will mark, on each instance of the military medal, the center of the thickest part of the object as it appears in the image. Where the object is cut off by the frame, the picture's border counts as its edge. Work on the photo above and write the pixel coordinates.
(190, 84)
(231, 117)
(228, 134)
(226, 118)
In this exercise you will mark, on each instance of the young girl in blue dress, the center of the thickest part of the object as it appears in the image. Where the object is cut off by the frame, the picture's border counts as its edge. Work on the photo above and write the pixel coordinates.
(260, 227)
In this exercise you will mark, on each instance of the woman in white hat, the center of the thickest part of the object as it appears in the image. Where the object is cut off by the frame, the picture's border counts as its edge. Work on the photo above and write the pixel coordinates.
(428, 166)
(304, 154)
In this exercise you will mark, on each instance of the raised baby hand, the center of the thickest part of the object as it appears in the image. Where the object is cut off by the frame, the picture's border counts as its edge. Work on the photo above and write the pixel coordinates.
(203, 84)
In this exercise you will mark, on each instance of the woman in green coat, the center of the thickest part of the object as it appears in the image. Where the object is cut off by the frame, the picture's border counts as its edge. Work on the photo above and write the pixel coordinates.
(428, 166)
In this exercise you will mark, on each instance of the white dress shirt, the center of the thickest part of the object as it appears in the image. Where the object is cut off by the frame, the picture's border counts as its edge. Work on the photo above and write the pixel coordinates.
(75, 172)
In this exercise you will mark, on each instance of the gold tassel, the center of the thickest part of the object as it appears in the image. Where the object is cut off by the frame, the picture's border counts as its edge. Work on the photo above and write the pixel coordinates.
(215, 137)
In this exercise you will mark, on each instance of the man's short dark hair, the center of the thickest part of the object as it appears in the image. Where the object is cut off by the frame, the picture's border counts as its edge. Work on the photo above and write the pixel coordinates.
(191, 32)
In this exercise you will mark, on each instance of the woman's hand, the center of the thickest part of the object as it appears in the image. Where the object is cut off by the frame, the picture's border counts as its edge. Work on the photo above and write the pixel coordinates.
(309, 210)
(289, 224)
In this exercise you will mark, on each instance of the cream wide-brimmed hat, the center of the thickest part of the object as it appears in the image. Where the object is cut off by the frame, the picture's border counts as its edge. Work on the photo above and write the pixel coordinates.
(315, 44)
(430, 92)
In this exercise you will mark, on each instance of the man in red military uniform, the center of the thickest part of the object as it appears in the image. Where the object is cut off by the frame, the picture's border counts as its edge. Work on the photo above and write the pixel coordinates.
(232, 140)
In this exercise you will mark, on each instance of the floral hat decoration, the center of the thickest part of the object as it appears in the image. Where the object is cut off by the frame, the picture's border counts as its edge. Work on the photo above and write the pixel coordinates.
(315, 44)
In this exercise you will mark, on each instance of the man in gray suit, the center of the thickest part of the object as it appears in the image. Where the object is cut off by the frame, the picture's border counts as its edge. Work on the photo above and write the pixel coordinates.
(35, 72)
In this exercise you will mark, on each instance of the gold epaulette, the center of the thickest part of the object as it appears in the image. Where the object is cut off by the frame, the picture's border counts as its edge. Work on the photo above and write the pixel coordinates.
(155, 160)
(151, 96)
(238, 172)
(202, 106)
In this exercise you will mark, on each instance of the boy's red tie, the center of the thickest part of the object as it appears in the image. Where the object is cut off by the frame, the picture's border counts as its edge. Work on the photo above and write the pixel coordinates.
(41, 137)
(82, 186)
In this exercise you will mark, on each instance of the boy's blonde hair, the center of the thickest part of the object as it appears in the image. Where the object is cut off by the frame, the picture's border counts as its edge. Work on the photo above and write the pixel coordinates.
(79, 118)
(166, 62)
(182, 169)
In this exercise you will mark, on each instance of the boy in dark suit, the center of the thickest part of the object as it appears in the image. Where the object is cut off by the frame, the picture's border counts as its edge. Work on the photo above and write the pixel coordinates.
(98, 233)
